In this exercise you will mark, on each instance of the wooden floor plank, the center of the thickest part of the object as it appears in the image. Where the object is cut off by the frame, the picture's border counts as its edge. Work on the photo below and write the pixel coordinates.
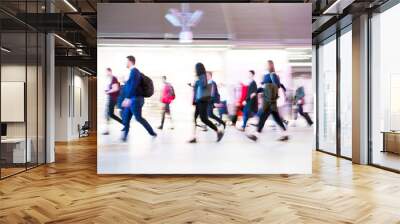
(70, 191)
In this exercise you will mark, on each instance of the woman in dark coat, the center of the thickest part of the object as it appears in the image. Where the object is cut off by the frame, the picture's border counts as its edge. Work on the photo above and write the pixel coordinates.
(201, 100)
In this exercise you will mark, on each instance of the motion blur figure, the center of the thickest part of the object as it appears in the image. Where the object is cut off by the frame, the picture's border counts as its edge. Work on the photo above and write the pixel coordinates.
(133, 101)
(215, 99)
(240, 93)
(167, 96)
(201, 100)
(250, 103)
(299, 101)
(271, 85)
(112, 91)
(222, 106)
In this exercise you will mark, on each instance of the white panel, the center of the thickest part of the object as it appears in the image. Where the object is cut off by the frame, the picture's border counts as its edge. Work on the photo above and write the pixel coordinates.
(394, 102)
(12, 101)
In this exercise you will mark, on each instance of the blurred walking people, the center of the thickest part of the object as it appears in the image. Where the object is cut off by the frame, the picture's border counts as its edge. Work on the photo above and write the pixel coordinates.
(167, 96)
(121, 97)
(222, 106)
(240, 98)
(299, 101)
(201, 99)
(196, 112)
(281, 88)
(215, 99)
(112, 91)
(271, 84)
(250, 104)
(134, 99)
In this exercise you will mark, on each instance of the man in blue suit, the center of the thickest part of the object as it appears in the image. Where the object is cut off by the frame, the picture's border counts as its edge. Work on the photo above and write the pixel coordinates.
(133, 101)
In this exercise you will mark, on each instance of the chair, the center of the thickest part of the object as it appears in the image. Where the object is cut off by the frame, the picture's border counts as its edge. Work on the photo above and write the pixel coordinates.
(84, 130)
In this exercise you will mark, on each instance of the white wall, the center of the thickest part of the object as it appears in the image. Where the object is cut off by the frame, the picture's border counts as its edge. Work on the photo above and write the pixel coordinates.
(33, 125)
(12, 73)
(71, 102)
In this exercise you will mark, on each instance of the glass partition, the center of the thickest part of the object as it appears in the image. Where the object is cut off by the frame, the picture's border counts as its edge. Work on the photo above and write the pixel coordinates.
(22, 78)
(41, 88)
(14, 155)
(31, 98)
(327, 96)
(346, 93)
(385, 89)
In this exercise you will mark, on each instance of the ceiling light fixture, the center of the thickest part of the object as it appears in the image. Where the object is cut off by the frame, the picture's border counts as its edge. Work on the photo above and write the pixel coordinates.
(337, 7)
(70, 5)
(64, 40)
(184, 19)
(5, 50)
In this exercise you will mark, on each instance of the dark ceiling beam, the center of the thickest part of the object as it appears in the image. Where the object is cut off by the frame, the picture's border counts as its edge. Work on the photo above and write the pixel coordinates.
(91, 5)
(16, 18)
(55, 22)
(86, 27)
(77, 61)
(49, 22)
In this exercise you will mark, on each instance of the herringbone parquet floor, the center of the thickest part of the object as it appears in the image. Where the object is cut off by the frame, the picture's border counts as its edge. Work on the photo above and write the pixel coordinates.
(70, 191)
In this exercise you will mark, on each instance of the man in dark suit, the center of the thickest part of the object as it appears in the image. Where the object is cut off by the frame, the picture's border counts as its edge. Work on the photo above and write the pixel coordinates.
(133, 101)
(250, 104)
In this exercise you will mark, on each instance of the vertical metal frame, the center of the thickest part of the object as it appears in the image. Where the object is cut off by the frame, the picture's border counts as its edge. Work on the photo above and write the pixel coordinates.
(26, 88)
(338, 76)
(317, 97)
(369, 96)
(44, 79)
(73, 91)
(37, 91)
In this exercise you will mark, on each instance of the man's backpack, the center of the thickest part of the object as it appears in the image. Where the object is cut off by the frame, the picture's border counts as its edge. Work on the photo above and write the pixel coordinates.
(146, 87)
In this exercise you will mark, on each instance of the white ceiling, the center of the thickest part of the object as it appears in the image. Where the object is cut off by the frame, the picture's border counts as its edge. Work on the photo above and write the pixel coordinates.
(247, 22)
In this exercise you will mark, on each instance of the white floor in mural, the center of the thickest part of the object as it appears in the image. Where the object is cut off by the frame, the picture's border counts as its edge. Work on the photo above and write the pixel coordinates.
(169, 152)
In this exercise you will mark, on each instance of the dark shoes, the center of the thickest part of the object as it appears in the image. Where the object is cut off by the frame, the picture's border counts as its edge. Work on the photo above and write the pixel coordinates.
(252, 137)
(220, 134)
(124, 138)
(193, 140)
(283, 138)
(241, 129)
(286, 122)
(161, 127)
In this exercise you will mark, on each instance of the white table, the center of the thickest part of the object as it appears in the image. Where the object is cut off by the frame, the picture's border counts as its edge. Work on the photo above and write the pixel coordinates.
(19, 155)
